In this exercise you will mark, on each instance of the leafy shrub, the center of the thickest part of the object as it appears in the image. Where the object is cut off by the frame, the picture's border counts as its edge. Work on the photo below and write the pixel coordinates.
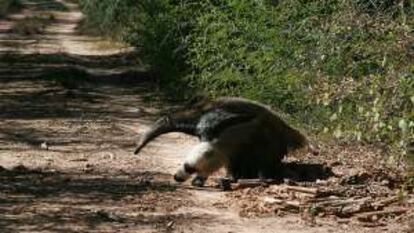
(343, 67)
(6, 5)
(108, 17)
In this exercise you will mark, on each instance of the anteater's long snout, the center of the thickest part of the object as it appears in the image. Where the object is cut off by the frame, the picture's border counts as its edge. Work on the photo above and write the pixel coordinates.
(138, 149)
(161, 126)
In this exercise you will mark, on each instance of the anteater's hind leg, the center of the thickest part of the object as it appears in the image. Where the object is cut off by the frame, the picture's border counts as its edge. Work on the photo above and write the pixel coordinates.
(270, 161)
(269, 154)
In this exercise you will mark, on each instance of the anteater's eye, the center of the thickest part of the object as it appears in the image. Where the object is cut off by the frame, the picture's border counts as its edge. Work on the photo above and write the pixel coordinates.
(189, 169)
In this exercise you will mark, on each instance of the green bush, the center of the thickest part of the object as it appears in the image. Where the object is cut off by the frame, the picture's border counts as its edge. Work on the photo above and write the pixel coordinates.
(109, 17)
(6, 5)
(339, 67)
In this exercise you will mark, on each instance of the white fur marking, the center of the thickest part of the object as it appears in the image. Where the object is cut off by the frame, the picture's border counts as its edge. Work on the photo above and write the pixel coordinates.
(198, 153)
(204, 158)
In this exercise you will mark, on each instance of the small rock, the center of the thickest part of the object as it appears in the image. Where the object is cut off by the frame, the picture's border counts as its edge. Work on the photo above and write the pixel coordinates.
(170, 224)
(88, 168)
(385, 182)
(270, 200)
(109, 156)
(321, 182)
(44, 146)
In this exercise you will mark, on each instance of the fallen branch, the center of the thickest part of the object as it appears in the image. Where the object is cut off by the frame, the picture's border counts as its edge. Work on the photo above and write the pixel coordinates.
(285, 204)
(385, 202)
(271, 200)
(205, 188)
(343, 221)
(324, 199)
(344, 208)
(375, 215)
(313, 191)
(250, 183)
(352, 209)
(342, 202)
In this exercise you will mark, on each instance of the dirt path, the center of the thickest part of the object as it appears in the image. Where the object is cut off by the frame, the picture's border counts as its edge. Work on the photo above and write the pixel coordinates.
(67, 131)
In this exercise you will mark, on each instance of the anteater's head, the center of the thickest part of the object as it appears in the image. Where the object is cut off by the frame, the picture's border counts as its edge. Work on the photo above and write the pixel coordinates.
(184, 172)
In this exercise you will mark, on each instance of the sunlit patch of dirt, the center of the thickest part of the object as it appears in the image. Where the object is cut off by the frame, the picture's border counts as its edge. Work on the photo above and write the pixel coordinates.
(41, 200)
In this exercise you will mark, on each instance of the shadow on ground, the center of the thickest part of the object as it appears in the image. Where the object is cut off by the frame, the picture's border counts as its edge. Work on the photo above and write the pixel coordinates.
(35, 200)
(97, 91)
(306, 172)
(56, 85)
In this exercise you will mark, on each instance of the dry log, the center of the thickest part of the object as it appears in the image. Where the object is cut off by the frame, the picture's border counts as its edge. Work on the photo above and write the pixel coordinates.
(344, 207)
(373, 225)
(284, 203)
(385, 202)
(373, 216)
(340, 191)
(205, 188)
(408, 215)
(324, 199)
(248, 183)
(272, 200)
(352, 209)
(304, 191)
(313, 191)
(333, 191)
(343, 202)
(252, 181)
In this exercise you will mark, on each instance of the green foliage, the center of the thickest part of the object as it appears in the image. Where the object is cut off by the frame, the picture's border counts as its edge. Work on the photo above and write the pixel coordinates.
(108, 17)
(343, 67)
(6, 5)
(160, 30)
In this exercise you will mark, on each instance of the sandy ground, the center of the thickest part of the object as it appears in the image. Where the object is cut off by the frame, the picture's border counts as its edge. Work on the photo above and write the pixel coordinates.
(71, 109)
